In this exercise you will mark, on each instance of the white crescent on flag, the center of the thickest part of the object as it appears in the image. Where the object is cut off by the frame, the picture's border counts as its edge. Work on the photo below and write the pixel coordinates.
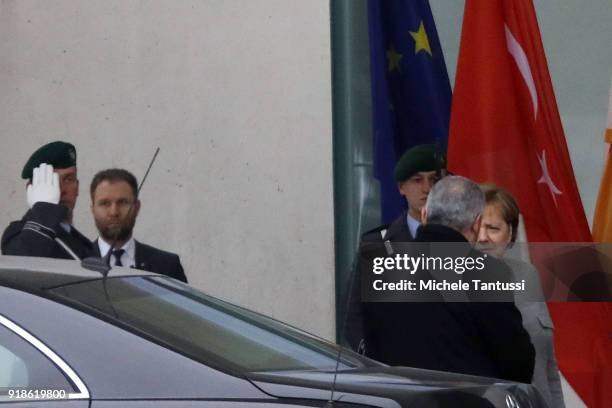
(515, 49)
(545, 179)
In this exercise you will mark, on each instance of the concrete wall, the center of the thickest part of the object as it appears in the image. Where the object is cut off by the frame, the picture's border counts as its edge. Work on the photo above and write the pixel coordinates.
(236, 93)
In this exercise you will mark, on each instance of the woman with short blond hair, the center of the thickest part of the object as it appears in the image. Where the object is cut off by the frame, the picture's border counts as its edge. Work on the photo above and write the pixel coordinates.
(498, 232)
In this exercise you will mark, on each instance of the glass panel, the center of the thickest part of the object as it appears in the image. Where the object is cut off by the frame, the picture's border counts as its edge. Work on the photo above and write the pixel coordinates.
(23, 367)
(205, 328)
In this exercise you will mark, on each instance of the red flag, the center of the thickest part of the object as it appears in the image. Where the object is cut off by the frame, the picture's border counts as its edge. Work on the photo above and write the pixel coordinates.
(505, 128)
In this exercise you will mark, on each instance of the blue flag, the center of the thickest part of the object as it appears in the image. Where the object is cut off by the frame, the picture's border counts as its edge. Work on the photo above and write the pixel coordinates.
(411, 93)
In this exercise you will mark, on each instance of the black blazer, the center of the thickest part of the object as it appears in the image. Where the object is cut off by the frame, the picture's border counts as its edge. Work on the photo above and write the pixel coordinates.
(486, 339)
(151, 259)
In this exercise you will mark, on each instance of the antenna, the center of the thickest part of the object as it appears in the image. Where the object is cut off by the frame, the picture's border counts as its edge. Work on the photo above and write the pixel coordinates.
(355, 277)
(102, 264)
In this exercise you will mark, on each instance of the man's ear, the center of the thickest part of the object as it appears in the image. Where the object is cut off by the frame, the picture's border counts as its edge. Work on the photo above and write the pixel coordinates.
(476, 225)
(136, 207)
(423, 215)
(399, 187)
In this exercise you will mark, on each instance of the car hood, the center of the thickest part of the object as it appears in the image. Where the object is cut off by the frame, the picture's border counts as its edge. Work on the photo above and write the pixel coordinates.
(397, 387)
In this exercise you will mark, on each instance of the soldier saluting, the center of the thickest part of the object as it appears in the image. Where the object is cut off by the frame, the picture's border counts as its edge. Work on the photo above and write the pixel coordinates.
(52, 190)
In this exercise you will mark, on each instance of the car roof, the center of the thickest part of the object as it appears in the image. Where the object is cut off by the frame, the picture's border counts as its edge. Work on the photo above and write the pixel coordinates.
(37, 273)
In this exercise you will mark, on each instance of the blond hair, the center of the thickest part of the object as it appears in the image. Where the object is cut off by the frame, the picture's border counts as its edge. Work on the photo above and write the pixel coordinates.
(495, 195)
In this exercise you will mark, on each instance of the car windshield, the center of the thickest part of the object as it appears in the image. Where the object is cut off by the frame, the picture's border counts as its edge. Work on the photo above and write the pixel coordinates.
(201, 327)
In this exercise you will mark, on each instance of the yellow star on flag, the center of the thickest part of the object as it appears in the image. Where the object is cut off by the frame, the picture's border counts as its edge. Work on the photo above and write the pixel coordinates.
(393, 59)
(421, 40)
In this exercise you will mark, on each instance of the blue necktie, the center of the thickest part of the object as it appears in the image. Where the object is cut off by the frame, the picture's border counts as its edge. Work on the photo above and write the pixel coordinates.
(118, 253)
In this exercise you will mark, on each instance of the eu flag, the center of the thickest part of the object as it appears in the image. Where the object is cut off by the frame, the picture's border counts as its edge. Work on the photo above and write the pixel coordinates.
(411, 93)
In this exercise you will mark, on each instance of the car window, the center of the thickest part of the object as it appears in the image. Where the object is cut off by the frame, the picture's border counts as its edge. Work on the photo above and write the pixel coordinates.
(13, 370)
(24, 368)
(204, 328)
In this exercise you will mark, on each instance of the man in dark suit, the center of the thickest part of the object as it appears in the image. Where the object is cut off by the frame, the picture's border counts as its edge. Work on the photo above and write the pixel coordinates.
(115, 206)
(52, 190)
(470, 337)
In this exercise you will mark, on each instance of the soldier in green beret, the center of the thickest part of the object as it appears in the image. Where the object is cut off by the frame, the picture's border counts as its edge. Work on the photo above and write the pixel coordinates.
(416, 172)
(52, 190)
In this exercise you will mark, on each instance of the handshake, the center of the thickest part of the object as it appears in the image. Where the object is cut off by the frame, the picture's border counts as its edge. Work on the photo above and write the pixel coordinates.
(45, 186)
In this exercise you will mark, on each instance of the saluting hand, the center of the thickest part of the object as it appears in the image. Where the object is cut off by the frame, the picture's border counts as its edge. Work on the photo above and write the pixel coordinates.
(44, 187)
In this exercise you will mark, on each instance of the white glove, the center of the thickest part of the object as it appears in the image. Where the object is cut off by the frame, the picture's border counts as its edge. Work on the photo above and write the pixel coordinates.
(44, 187)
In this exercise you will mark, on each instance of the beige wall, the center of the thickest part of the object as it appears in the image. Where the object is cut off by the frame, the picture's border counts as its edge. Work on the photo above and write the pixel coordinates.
(237, 95)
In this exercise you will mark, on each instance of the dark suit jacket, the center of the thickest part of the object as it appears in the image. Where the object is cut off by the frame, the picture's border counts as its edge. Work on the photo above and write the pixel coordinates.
(35, 233)
(148, 258)
(486, 339)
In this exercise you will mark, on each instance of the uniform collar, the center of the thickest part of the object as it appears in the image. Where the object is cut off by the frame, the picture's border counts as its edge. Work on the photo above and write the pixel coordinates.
(413, 225)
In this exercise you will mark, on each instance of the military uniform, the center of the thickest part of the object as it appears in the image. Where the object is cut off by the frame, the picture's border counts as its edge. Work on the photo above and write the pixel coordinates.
(385, 236)
(43, 231)
(421, 158)
(35, 233)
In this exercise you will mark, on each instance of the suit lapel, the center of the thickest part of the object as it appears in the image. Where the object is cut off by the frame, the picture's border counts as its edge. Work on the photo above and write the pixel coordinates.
(139, 260)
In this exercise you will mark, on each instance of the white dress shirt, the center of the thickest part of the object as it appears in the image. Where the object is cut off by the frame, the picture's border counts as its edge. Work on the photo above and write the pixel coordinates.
(413, 225)
(129, 256)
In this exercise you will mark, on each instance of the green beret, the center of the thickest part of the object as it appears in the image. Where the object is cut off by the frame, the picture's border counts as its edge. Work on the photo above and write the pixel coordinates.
(426, 157)
(60, 155)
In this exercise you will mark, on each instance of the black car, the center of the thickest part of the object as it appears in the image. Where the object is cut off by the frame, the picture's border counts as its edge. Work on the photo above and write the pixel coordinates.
(70, 337)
